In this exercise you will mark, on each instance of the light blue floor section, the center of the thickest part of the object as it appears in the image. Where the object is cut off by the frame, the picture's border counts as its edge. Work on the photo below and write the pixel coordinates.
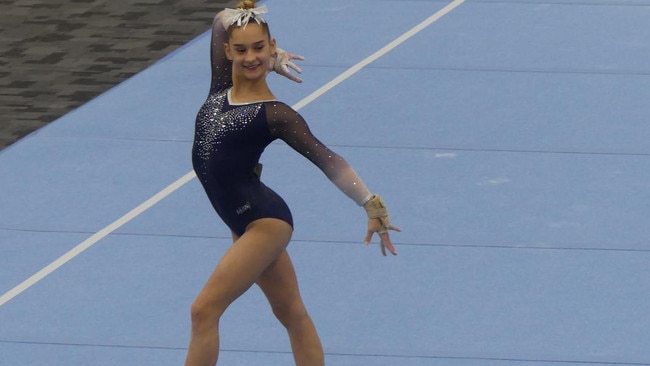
(509, 138)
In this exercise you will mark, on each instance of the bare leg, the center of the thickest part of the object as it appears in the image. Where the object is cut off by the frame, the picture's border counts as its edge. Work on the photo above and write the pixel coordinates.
(238, 270)
(279, 284)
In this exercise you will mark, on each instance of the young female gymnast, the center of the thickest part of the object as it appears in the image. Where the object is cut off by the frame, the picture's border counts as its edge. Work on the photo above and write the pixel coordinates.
(238, 120)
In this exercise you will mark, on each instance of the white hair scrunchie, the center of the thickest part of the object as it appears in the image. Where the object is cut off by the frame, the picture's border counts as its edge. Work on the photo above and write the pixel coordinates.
(241, 17)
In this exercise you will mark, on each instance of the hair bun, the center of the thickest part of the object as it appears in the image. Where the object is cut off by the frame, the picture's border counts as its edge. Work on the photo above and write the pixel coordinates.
(247, 4)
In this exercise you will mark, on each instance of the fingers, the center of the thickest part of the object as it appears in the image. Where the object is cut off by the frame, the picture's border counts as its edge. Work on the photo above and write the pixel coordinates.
(293, 66)
(384, 240)
(291, 56)
(283, 65)
(386, 244)
(284, 71)
(368, 237)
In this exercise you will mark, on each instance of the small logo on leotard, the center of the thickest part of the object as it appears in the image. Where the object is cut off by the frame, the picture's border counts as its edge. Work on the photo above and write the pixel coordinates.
(244, 208)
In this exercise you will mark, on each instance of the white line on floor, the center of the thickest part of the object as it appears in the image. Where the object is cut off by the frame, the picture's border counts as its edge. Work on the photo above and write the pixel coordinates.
(92, 240)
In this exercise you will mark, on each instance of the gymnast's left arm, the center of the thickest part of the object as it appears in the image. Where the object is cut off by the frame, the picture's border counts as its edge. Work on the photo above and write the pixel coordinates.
(293, 129)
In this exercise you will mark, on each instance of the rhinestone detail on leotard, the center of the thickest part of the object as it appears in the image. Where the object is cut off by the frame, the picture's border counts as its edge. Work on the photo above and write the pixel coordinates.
(213, 124)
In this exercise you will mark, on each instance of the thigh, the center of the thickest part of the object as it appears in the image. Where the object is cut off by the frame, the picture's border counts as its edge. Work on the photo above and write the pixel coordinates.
(245, 261)
(280, 285)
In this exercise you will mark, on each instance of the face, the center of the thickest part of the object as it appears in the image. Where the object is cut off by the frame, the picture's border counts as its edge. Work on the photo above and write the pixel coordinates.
(250, 50)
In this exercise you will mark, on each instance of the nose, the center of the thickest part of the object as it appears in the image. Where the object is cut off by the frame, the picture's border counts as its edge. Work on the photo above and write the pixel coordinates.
(249, 56)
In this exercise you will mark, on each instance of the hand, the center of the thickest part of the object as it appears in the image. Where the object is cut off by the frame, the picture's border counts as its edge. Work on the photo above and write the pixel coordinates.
(282, 63)
(376, 226)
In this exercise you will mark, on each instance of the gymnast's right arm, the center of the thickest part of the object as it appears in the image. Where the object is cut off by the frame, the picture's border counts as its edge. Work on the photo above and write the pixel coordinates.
(221, 66)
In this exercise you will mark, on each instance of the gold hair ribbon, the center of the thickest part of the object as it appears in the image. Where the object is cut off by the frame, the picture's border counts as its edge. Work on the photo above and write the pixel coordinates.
(241, 17)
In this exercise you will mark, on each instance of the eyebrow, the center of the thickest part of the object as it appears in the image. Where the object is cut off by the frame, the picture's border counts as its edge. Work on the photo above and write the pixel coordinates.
(254, 44)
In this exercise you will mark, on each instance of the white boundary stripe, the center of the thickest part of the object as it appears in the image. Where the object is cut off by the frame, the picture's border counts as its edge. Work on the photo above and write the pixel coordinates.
(92, 240)
(95, 238)
(381, 52)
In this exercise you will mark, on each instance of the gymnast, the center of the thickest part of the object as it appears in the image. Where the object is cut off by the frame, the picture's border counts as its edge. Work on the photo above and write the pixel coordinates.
(238, 120)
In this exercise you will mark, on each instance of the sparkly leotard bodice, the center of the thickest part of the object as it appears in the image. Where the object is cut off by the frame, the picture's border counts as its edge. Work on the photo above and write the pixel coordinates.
(230, 138)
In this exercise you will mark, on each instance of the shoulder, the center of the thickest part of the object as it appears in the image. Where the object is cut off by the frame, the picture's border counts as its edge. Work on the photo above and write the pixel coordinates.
(279, 112)
(278, 106)
(283, 120)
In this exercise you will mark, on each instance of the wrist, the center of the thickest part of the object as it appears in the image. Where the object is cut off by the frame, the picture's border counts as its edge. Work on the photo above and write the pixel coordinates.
(365, 200)
(375, 207)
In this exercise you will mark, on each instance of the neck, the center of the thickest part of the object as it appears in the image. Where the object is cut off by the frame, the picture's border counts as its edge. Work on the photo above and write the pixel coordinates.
(250, 90)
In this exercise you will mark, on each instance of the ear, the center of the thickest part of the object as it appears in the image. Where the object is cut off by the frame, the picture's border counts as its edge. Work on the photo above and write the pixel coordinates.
(226, 48)
(272, 46)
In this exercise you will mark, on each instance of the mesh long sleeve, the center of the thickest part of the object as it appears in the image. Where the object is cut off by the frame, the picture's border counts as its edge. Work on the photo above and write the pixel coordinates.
(287, 125)
(221, 66)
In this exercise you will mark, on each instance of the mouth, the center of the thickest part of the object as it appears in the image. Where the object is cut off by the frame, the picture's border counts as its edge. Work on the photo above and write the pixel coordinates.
(252, 67)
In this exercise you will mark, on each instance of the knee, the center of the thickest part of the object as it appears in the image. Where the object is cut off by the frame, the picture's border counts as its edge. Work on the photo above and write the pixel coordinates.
(204, 315)
(290, 314)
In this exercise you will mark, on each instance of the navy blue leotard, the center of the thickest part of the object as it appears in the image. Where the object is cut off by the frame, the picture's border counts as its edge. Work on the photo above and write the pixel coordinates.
(230, 138)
